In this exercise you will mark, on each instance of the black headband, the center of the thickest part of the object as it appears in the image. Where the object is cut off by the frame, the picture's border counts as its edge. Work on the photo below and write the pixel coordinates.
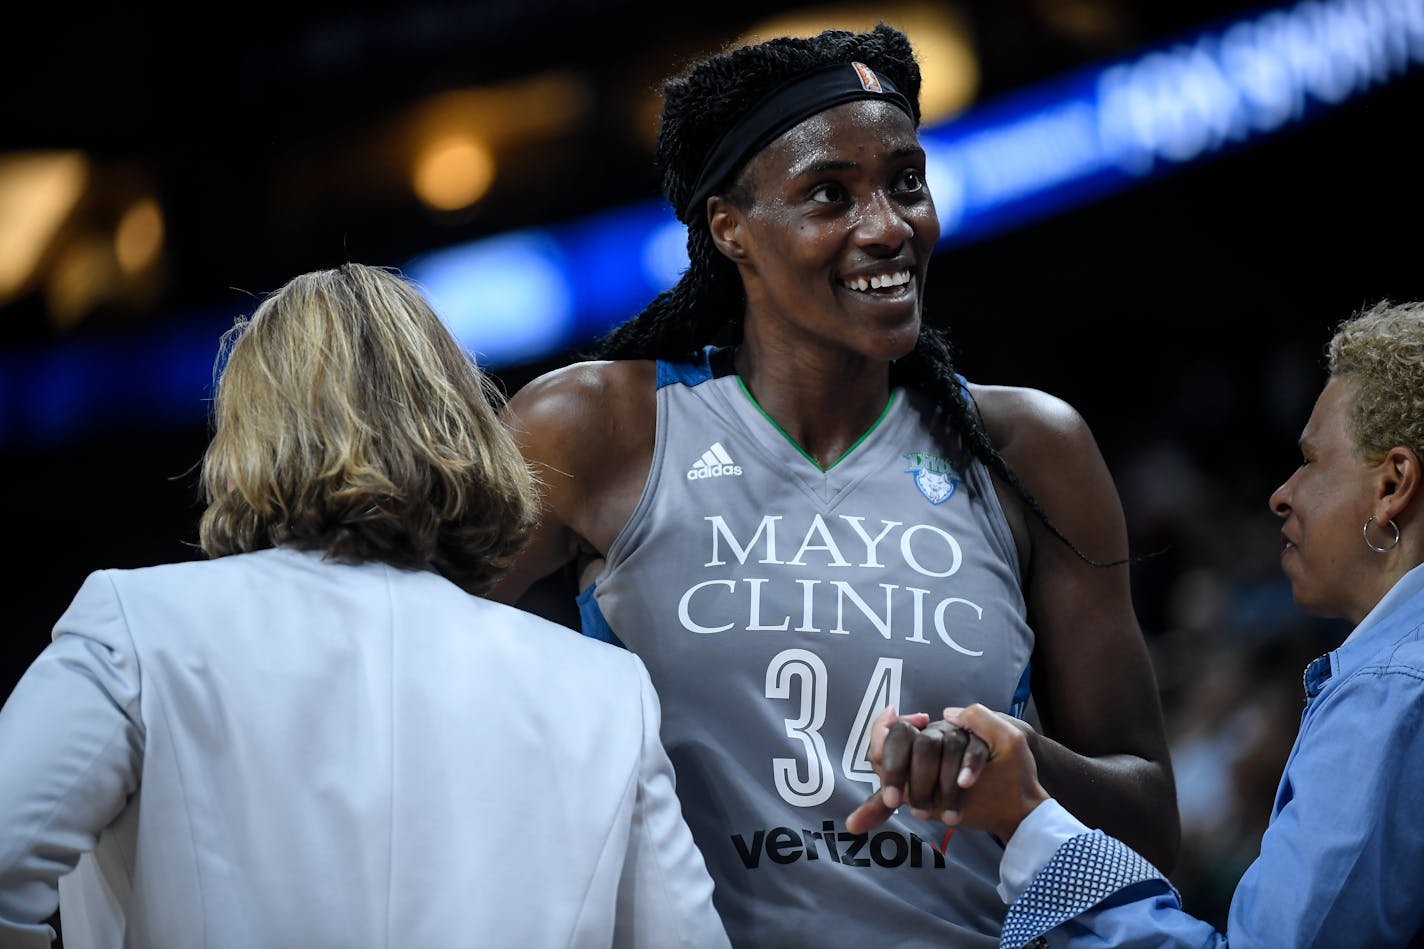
(786, 106)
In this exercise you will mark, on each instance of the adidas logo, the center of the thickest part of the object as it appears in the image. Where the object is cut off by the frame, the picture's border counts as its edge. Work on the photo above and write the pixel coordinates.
(714, 463)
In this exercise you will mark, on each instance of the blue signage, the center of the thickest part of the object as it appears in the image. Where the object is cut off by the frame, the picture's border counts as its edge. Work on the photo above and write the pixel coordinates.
(520, 297)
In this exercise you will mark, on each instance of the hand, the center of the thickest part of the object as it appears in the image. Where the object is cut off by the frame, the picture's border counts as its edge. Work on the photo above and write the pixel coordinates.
(1000, 788)
(917, 762)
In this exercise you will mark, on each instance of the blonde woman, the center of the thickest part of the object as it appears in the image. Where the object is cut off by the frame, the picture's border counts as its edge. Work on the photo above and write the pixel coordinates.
(305, 739)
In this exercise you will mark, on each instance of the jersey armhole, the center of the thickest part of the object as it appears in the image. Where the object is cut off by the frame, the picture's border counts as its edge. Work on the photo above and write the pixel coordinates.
(591, 619)
(667, 374)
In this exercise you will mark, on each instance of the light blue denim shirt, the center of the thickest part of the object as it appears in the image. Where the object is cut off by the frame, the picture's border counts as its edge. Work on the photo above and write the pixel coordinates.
(1342, 861)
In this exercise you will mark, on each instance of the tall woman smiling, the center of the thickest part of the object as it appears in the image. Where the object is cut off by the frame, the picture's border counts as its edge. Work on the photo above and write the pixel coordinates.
(777, 491)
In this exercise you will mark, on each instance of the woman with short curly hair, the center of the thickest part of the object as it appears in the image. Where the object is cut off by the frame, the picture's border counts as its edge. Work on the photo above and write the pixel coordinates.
(1343, 853)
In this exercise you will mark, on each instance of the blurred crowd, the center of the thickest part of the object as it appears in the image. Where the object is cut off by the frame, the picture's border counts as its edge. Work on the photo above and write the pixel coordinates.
(1229, 644)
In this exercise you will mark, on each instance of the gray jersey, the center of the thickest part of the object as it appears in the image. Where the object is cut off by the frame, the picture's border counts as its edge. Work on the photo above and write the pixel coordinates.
(779, 608)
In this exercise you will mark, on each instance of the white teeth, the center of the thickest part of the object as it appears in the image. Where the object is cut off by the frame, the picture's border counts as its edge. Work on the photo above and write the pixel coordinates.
(879, 281)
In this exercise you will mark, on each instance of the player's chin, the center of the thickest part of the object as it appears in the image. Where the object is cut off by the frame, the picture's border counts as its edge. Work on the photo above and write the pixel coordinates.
(897, 341)
(900, 345)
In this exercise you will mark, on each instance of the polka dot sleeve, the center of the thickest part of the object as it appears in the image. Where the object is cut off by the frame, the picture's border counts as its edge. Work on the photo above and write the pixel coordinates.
(1085, 871)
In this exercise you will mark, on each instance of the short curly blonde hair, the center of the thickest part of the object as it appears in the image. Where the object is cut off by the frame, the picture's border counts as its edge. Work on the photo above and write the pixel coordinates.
(1381, 348)
(347, 419)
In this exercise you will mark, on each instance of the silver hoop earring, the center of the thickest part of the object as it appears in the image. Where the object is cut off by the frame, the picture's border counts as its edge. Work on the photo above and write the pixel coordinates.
(1380, 550)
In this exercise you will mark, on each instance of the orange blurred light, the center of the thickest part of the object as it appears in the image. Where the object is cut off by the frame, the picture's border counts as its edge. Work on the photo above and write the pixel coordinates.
(38, 191)
(83, 275)
(453, 172)
(939, 33)
(139, 236)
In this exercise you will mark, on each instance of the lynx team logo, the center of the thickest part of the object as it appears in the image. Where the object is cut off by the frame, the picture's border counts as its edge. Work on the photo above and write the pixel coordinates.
(933, 476)
(868, 80)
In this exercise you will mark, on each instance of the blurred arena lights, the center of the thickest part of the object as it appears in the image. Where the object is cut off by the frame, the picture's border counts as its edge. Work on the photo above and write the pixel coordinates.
(1083, 136)
(453, 173)
(38, 190)
(1014, 160)
(138, 238)
(454, 138)
(517, 298)
(949, 68)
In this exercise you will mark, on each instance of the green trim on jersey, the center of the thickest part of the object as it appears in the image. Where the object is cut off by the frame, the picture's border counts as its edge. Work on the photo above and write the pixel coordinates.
(803, 452)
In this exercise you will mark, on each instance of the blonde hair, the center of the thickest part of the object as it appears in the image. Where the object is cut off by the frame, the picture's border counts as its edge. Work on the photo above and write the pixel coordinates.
(348, 419)
(1382, 349)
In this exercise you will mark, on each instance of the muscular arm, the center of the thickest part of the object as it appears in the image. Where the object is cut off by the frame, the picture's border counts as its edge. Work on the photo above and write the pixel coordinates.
(588, 431)
(1103, 750)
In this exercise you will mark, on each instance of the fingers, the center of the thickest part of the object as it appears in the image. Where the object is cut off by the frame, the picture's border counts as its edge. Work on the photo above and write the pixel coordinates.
(931, 748)
(1003, 773)
(897, 731)
(869, 815)
(895, 760)
(984, 722)
(892, 737)
(973, 757)
(976, 756)
(927, 765)
(878, 730)
(925, 752)
(948, 797)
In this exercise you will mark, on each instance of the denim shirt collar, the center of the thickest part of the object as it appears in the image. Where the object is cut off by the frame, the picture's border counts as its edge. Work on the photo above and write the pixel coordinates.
(1397, 612)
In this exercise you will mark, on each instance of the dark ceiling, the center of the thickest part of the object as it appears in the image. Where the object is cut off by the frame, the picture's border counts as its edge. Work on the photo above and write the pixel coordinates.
(254, 121)
(1184, 319)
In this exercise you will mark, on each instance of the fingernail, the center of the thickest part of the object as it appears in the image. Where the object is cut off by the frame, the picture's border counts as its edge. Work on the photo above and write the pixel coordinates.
(890, 797)
(919, 814)
(950, 817)
(964, 775)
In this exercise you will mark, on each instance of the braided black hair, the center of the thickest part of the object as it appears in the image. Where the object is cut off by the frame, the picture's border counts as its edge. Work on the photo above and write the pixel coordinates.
(707, 305)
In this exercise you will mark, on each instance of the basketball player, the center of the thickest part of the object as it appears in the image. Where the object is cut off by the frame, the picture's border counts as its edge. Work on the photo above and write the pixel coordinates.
(777, 492)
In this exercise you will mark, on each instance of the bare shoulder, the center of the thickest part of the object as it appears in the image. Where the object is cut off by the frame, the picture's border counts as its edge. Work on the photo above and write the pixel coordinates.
(1024, 422)
(575, 418)
(589, 431)
(1049, 446)
(584, 396)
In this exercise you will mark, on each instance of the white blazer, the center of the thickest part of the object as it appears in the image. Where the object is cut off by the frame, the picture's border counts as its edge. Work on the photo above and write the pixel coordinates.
(270, 750)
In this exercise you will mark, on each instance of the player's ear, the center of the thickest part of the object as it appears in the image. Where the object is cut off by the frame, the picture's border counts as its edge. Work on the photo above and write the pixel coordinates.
(727, 224)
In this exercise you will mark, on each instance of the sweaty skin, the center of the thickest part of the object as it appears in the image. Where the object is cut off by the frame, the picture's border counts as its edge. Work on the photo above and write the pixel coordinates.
(836, 200)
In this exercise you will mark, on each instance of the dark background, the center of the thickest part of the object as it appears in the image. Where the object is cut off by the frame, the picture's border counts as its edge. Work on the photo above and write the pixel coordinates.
(1185, 319)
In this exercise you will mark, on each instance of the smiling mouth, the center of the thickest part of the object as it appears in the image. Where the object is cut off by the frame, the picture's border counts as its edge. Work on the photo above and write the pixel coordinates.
(880, 283)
